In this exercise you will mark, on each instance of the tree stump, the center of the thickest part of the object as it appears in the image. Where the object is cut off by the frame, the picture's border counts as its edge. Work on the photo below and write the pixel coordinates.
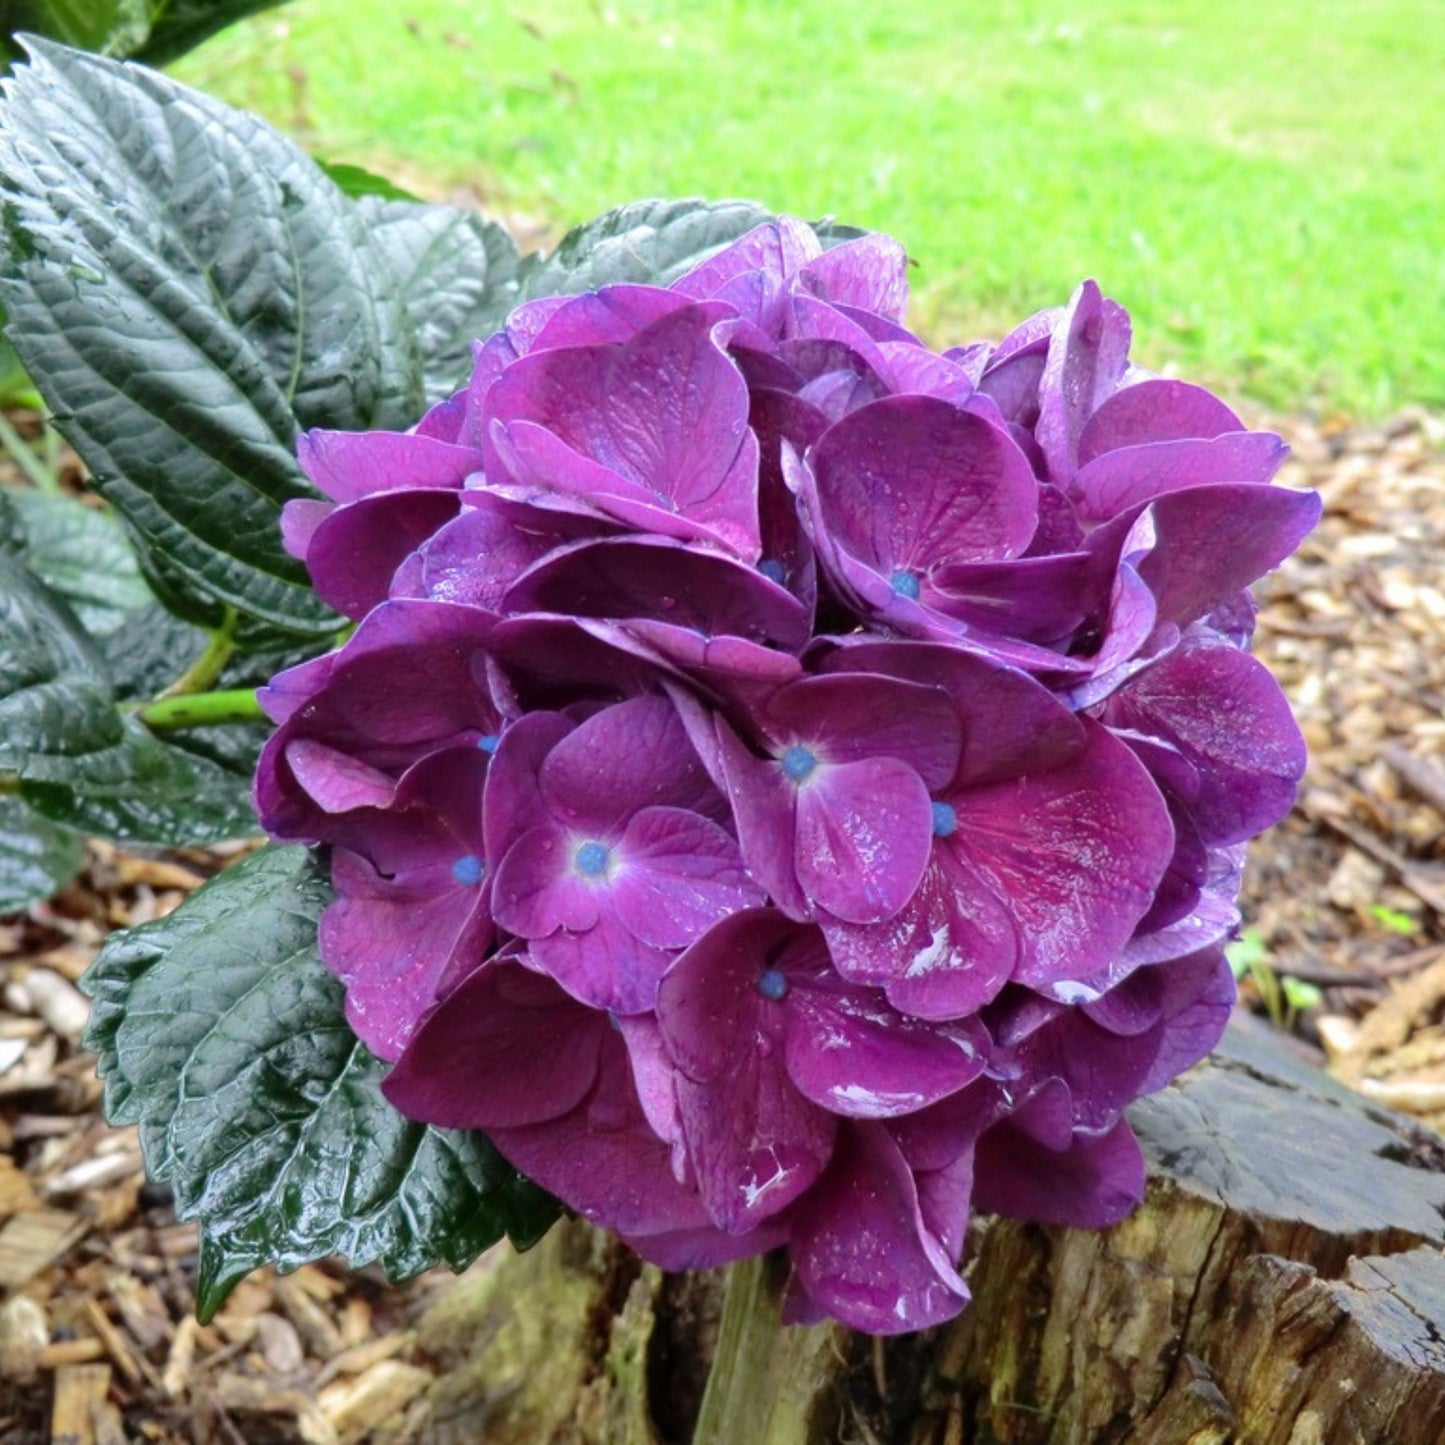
(1282, 1284)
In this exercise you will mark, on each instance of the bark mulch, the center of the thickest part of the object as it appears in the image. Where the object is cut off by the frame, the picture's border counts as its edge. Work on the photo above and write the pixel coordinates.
(98, 1343)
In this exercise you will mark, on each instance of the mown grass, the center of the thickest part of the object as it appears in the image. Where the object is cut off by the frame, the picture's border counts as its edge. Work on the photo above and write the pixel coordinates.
(1262, 185)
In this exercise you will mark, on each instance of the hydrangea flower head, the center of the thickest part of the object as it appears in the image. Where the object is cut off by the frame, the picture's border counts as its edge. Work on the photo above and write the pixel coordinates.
(786, 784)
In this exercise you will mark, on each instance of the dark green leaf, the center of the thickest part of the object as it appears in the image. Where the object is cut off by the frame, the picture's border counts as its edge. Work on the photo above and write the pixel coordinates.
(180, 25)
(77, 759)
(79, 552)
(221, 1034)
(457, 273)
(649, 241)
(187, 788)
(150, 651)
(36, 856)
(58, 721)
(188, 290)
(357, 181)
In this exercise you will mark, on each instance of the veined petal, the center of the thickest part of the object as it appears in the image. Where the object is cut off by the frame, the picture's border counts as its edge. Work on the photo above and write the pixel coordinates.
(863, 836)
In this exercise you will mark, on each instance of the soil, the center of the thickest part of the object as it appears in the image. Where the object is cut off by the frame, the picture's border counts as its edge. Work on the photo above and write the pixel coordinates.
(1345, 911)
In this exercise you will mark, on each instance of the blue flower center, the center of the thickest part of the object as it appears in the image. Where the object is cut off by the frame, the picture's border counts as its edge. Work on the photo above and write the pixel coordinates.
(488, 742)
(773, 570)
(468, 870)
(905, 584)
(945, 820)
(773, 984)
(591, 859)
(798, 762)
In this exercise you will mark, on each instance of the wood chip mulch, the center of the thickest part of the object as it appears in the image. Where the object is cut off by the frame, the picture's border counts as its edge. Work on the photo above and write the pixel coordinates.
(98, 1342)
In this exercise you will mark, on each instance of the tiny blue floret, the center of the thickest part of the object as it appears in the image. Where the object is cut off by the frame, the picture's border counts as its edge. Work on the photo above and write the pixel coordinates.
(905, 584)
(488, 742)
(945, 820)
(772, 569)
(773, 984)
(798, 762)
(468, 870)
(591, 859)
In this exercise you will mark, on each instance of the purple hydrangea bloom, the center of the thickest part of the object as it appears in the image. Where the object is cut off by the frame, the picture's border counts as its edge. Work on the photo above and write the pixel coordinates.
(787, 784)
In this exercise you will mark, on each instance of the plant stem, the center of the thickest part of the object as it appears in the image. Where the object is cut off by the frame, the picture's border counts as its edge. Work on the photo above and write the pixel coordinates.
(767, 1378)
(202, 710)
(204, 671)
(42, 478)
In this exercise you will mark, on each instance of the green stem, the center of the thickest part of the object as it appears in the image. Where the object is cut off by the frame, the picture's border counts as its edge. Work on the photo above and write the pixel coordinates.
(203, 672)
(770, 1383)
(202, 710)
(40, 476)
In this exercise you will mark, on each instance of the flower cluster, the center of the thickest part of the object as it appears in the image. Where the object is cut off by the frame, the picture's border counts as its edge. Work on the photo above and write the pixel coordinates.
(786, 785)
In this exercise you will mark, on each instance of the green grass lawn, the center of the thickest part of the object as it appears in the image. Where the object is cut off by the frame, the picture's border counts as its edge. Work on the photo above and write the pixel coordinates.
(1262, 185)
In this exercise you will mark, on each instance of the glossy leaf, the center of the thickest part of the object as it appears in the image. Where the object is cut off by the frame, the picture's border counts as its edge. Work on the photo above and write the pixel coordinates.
(648, 242)
(457, 273)
(79, 552)
(222, 1036)
(36, 855)
(77, 759)
(188, 290)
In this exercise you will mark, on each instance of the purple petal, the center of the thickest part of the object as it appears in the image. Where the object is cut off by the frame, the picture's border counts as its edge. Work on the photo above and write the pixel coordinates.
(536, 890)
(778, 248)
(350, 465)
(754, 1141)
(861, 1251)
(661, 419)
(680, 874)
(863, 838)
(852, 1054)
(666, 581)
(393, 942)
(354, 553)
(1090, 1184)
(1088, 353)
(870, 272)
(1122, 479)
(601, 1159)
(1011, 723)
(606, 966)
(764, 806)
(1213, 541)
(508, 1047)
(944, 955)
(512, 802)
(632, 755)
(909, 483)
(613, 314)
(476, 557)
(850, 717)
(1076, 853)
(1155, 410)
(1227, 717)
(334, 781)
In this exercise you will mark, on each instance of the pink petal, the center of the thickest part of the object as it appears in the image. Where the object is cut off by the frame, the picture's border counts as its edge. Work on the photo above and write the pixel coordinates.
(863, 837)
(679, 874)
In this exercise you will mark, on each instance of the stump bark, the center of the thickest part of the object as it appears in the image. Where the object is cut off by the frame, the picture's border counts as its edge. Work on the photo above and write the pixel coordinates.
(1282, 1284)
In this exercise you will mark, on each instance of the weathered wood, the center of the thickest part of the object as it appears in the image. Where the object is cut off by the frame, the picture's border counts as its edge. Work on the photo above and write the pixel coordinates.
(1282, 1284)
